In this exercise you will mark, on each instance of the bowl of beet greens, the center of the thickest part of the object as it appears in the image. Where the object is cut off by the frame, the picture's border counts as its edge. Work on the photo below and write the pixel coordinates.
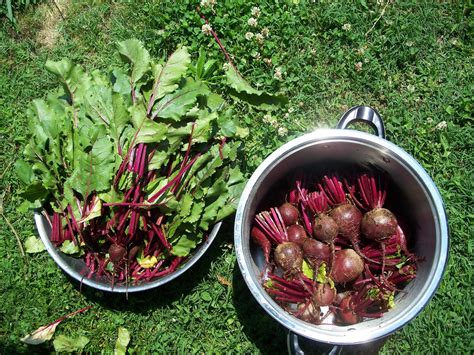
(340, 235)
(131, 172)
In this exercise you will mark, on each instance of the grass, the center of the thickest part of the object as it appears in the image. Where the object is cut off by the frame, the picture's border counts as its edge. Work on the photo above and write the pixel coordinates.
(415, 67)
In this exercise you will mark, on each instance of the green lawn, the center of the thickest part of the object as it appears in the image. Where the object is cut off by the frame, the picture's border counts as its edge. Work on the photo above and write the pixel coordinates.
(412, 60)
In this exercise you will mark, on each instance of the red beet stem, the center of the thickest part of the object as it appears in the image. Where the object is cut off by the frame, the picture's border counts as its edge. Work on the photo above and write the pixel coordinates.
(161, 236)
(174, 180)
(273, 229)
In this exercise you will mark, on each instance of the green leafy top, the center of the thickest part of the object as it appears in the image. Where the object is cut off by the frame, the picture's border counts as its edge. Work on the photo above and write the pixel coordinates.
(82, 137)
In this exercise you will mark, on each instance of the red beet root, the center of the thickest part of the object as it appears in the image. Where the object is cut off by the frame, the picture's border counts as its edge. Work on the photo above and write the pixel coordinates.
(348, 265)
(346, 314)
(289, 213)
(325, 228)
(117, 253)
(348, 218)
(289, 257)
(379, 224)
(296, 234)
(314, 249)
(324, 294)
(309, 313)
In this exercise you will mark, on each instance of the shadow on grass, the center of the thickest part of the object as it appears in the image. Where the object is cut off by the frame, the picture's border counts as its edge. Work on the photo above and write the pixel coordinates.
(265, 332)
(164, 295)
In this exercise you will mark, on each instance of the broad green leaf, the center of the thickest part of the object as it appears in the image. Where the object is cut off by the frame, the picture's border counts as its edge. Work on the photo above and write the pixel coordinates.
(196, 212)
(167, 76)
(35, 192)
(34, 245)
(219, 188)
(225, 211)
(184, 245)
(243, 91)
(121, 82)
(159, 158)
(122, 341)
(75, 81)
(24, 171)
(210, 212)
(185, 205)
(201, 129)
(63, 343)
(176, 104)
(40, 335)
(133, 52)
(148, 131)
(98, 100)
(215, 101)
(69, 248)
(227, 125)
(120, 120)
(151, 132)
(93, 170)
(200, 63)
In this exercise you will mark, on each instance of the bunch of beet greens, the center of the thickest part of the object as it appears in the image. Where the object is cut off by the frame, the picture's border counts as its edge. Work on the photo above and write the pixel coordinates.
(333, 244)
(132, 169)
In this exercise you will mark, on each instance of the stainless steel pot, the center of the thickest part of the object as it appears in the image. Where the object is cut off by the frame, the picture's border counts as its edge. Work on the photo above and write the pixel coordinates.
(420, 203)
(77, 268)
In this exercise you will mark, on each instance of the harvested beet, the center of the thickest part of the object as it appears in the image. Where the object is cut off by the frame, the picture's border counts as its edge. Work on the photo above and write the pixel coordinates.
(309, 313)
(324, 294)
(330, 254)
(379, 224)
(348, 218)
(345, 313)
(325, 228)
(289, 213)
(348, 265)
(117, 253)
(132, 253)
(314, 249)
(289, 256)
(296, 234)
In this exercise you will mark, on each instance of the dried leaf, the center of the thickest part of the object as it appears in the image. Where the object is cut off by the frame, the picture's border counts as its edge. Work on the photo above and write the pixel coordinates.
(223, 281)
(122, 341)
(34, 245)
(67, 344)
(40, 335)
(46, 332)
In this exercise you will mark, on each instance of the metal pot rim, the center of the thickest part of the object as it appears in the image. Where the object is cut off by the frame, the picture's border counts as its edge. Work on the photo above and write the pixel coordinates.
(66, 267)
(320, 136)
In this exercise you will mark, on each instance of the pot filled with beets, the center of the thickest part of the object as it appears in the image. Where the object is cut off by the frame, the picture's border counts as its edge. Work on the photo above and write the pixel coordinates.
(341, 236)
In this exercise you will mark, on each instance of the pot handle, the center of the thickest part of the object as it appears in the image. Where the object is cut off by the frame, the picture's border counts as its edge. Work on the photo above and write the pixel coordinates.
(294, 348)
(364, 114)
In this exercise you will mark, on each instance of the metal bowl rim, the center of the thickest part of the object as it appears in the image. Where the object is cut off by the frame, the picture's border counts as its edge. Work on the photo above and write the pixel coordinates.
(57, 257)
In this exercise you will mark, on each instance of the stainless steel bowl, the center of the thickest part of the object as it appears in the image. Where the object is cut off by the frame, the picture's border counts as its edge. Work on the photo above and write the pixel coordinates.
(422, 204)
(77, 268)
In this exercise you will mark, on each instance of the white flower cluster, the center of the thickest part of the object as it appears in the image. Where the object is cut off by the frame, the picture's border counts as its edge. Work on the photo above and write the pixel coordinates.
(208, 3)
(272, 121)
(256, 11)
(253, 22)
(278, 74)
(442, 125)
(206, 29)
(347, 27)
